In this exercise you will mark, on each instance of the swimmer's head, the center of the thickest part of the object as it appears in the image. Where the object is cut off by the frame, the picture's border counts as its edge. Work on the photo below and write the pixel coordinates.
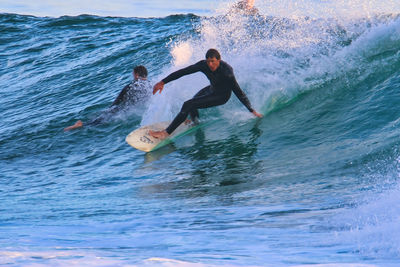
(140, 72)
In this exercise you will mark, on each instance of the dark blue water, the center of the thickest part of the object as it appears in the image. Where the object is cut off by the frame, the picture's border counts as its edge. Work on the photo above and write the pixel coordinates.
(316, 181)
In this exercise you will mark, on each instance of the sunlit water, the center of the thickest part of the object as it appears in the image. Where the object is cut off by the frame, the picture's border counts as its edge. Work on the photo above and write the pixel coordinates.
(315, 181)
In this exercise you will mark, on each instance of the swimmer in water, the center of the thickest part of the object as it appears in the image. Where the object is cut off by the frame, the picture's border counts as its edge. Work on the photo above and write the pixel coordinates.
(132, 93)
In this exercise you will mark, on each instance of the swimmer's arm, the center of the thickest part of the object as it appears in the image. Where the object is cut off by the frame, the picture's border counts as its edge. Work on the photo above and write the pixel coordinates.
(121, 95)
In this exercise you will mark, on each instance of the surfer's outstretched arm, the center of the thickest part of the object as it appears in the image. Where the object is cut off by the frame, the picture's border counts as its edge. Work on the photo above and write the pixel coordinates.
(243, 98)
(255, 113)
(176, 75)
(158, 87)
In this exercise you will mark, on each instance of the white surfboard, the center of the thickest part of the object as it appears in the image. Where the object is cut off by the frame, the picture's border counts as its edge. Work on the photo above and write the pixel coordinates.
(141, 140)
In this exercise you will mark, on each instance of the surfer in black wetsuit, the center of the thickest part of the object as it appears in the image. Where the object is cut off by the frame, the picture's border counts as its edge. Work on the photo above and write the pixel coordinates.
(132, 93)
(222, 83)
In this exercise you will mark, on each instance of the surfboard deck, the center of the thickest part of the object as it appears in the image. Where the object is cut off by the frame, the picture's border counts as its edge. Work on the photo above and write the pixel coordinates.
(141, 140)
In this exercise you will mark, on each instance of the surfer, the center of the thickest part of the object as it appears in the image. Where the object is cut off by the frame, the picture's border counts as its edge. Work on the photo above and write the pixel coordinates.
(135, 91)
(246, 7)
(222, 83)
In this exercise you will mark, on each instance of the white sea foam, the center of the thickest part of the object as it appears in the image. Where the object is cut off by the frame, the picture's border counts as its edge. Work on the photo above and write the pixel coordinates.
(374, 225)
(82, 258)
(276, 58)
(329, 8)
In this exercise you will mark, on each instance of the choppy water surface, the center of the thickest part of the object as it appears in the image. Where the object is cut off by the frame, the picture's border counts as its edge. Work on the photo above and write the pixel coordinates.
(315, 181)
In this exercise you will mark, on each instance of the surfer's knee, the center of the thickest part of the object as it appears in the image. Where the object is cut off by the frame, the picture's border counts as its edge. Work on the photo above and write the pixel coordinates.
(187, 106)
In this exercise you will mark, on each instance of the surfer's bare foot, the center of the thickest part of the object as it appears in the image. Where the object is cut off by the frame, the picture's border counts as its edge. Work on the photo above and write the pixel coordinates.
(191, 122)
(78, 124)
(159, 134)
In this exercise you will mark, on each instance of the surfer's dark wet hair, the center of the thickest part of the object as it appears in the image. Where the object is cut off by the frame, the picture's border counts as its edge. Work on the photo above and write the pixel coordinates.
(213, 53)
(141, 71)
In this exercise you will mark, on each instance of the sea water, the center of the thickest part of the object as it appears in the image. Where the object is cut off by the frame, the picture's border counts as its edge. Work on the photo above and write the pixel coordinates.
(316, 181)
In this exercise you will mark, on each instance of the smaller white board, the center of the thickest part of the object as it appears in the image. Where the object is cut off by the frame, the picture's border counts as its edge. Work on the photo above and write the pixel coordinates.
(142, 140)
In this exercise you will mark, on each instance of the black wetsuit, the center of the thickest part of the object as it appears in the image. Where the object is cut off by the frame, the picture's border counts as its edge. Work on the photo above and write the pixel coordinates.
(133, 93)
(223, 82)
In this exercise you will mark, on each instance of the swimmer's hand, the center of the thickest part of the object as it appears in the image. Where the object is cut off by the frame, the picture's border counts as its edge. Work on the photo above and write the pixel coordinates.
(255, 113)
(158, 87)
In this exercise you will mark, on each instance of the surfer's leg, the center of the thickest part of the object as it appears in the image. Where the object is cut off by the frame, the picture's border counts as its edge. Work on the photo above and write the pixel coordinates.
(206, 101)
(194, 113)
(97, 121)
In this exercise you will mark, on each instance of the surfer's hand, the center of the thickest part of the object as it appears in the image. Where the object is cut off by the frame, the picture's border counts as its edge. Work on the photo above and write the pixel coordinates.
(158, 87)
(255, 113)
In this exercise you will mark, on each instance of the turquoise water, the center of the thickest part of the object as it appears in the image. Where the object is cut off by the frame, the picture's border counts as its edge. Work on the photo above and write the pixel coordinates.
(315, 181)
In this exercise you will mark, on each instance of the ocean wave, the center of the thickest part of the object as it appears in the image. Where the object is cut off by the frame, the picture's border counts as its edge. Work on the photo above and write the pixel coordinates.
(327, 85)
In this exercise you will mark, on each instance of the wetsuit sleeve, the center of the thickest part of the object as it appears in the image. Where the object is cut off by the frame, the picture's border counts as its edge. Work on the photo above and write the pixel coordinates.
(241, 95)
(121, 95)
(182, 72)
